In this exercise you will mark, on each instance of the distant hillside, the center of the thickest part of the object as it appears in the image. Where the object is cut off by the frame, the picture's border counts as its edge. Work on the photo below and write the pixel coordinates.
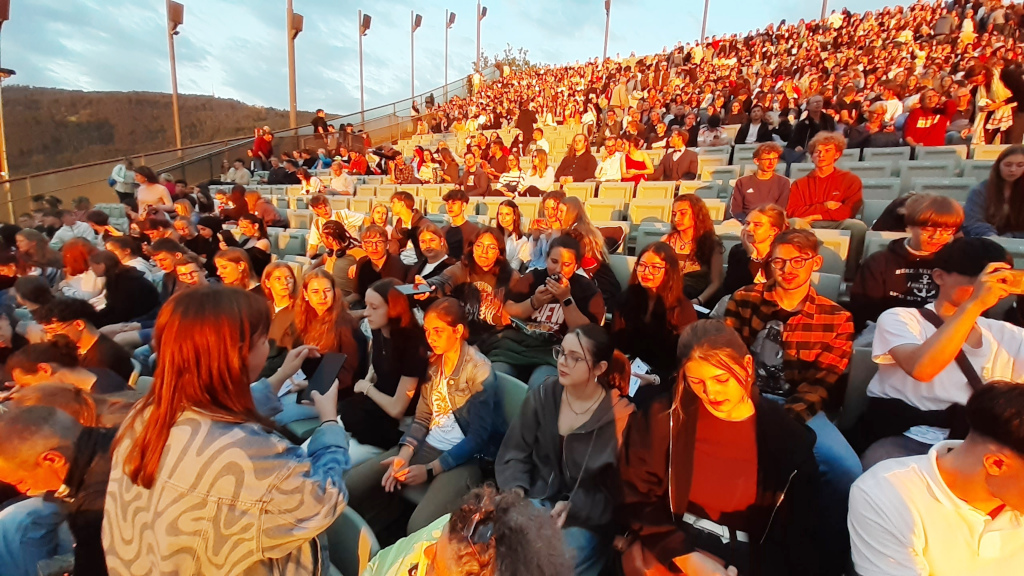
(48, 128)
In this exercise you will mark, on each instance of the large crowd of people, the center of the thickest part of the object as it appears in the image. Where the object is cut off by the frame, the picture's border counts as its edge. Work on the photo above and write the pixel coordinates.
(499, 402)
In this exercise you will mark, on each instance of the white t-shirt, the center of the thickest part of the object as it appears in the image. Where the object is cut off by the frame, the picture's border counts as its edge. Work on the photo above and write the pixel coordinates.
(752, 133)
(1000, 357)
(444, 431)
(352, 221)
(904, 521)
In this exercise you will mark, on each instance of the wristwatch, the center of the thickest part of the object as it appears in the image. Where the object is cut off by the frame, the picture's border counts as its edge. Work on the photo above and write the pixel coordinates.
(568, 302)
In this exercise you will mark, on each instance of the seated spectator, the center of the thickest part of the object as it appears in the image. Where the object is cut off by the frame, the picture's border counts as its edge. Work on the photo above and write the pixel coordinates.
(474, 181)
(764, 186)
(545, 228)
(99, 221)
(995, 207)
(254, 242)
(736, 115)
(957, 507)
(264, 210)
(184, 210)
(703, 469)
(802, 343)
(748, 260)
(921, 380)
(36, 258)
(755, 129)
(402, 173)
(497, 161)
(190, 272)
(828, 197)
(342, 253)
(652, 311)
(45, 451)
(290, 176)
(398, 363)
(409, 221)
(76, 320)
(458, 420)
(564, 458)
(127, 292)
(430, 170)
(278, 174)
(901, 275)
(799, 143)
(926, 124)
(165, 254)
(713, 134)
(594, 259)
(79, 279)
(538, 143)
(636, 164)
(459, 232)
(58, 361)
(540, 178)
(341, 181)
(71, 227)
(488, 534)
(698, 247)
(579, 165)
(510, 222)
(480, 280)
(435, 255)
(874, 133)
(610, 169)
(10, 340)
(236, 271)
(239, 174)
(678, 164)
(310, 184)
(235, 205)
(378, 263)
(547, 303)
(193, 404)
(511, 181)
(281, 289)
(205, 243)
(322, 212)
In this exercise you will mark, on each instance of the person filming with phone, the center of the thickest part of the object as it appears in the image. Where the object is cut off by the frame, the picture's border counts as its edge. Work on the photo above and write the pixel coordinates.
(931, 360)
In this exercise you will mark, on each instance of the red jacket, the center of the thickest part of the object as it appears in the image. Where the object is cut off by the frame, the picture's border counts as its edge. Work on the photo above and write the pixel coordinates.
(929, 129)
(808, 195)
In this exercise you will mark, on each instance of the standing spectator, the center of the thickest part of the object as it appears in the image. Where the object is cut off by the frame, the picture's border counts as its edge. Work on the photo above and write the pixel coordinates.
(762, 187)
(958, 506)
(263, 150)
(152, 197)
(802, 343)
(828, 197)
(319, 124)
(122, 179)
(995, 207)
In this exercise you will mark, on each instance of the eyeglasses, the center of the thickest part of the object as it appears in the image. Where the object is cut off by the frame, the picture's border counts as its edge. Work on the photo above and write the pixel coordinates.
(372, 243)
(797, 263)
(188, 274)
(653, 269)
(57, 327)
(946, 232)
(571, 360)
(486, 248)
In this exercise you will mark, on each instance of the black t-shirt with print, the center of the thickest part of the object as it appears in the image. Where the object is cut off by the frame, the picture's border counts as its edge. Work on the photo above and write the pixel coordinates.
(550, 317)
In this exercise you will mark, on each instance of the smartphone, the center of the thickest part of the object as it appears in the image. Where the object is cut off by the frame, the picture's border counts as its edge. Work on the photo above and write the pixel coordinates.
(1016, 281)
(556, 278)
(413, 289)
(540, 224)
(328, 370)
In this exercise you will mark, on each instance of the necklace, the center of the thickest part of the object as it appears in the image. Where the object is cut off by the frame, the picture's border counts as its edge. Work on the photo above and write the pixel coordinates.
(589, 408)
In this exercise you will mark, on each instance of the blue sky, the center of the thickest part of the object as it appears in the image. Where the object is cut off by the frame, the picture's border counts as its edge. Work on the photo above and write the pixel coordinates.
(237, 48)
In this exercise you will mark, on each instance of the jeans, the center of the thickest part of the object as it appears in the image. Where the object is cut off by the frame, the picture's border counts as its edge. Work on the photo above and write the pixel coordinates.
(292, 411)
(585, 548)
(31, 530)
(838, 467)
(532, 375)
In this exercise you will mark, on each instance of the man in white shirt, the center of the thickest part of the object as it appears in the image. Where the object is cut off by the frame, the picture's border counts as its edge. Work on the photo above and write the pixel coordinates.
(919, 391)
(321, 208)
(72, 228)
(955, 511)
(539, 143)
(341, 181)
(610, 169)
(239, 174)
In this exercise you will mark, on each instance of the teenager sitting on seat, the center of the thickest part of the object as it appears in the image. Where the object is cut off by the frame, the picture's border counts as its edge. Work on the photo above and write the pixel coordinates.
(75, 319)
(748, 260)
(58, 361)
(488, 534)
(458, 420)
(698, 247)
(802, 343)
(901, 275)
(378, 263)
(563, 449)
(955, 510)
(917, 395)
(651, 313)
(765, 186)
(716, 476)
(995, 206)
(235, 270)
(199, 441)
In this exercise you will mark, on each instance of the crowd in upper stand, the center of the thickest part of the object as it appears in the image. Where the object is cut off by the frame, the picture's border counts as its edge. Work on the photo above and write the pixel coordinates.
(514, 397)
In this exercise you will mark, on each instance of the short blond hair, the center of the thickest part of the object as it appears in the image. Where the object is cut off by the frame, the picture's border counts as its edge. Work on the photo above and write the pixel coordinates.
(828, 139)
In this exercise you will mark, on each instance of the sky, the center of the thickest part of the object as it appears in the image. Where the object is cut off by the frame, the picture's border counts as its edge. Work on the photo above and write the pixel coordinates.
(238, 48)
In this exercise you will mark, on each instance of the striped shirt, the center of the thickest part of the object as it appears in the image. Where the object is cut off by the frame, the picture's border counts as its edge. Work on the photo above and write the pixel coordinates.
(817, 341)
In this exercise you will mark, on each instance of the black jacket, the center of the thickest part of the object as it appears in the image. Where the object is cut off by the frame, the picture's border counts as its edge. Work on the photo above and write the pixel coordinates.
(86, 482)
(807, 128)
(891, 278)
(783, 517)
(685, 168)
(401, 236)
(764, 133)
(581, 168)
(129, 296)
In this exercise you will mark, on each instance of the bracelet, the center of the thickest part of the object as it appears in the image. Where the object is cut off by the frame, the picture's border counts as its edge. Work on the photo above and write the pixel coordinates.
(532, 304)
(699, 301)
(334, 421)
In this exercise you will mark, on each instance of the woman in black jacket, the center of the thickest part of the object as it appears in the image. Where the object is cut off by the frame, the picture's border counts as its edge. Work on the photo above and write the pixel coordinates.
(718, 476)
(129, 295)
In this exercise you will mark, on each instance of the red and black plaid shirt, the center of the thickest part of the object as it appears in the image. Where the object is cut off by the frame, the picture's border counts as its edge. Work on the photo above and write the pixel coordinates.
(817, 341)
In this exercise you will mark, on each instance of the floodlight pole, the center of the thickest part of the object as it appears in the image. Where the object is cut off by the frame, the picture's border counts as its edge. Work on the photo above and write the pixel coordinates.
(292, 34)
(704, 26)
(175, 18)
(607, 27)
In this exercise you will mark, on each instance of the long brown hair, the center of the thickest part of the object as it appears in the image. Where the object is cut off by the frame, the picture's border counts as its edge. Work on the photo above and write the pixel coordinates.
(235, 255)
(209, 333)
(329, 330)
(670, 291)
(996, 212)
(714, 342)
(40, 254)
(704, 239)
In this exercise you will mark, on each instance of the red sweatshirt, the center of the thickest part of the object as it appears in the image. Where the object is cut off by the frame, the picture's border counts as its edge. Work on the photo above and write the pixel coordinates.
(929, 128)
(808, 195)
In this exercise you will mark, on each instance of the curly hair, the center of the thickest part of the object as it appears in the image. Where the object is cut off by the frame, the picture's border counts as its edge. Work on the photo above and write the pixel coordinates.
(704, 239)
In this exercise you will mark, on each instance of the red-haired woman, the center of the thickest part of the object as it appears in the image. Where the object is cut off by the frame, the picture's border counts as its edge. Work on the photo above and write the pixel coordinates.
(79, 279)
(197, 451)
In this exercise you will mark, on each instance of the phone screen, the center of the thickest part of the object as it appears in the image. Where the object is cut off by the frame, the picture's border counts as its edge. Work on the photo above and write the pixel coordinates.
(328, 370)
